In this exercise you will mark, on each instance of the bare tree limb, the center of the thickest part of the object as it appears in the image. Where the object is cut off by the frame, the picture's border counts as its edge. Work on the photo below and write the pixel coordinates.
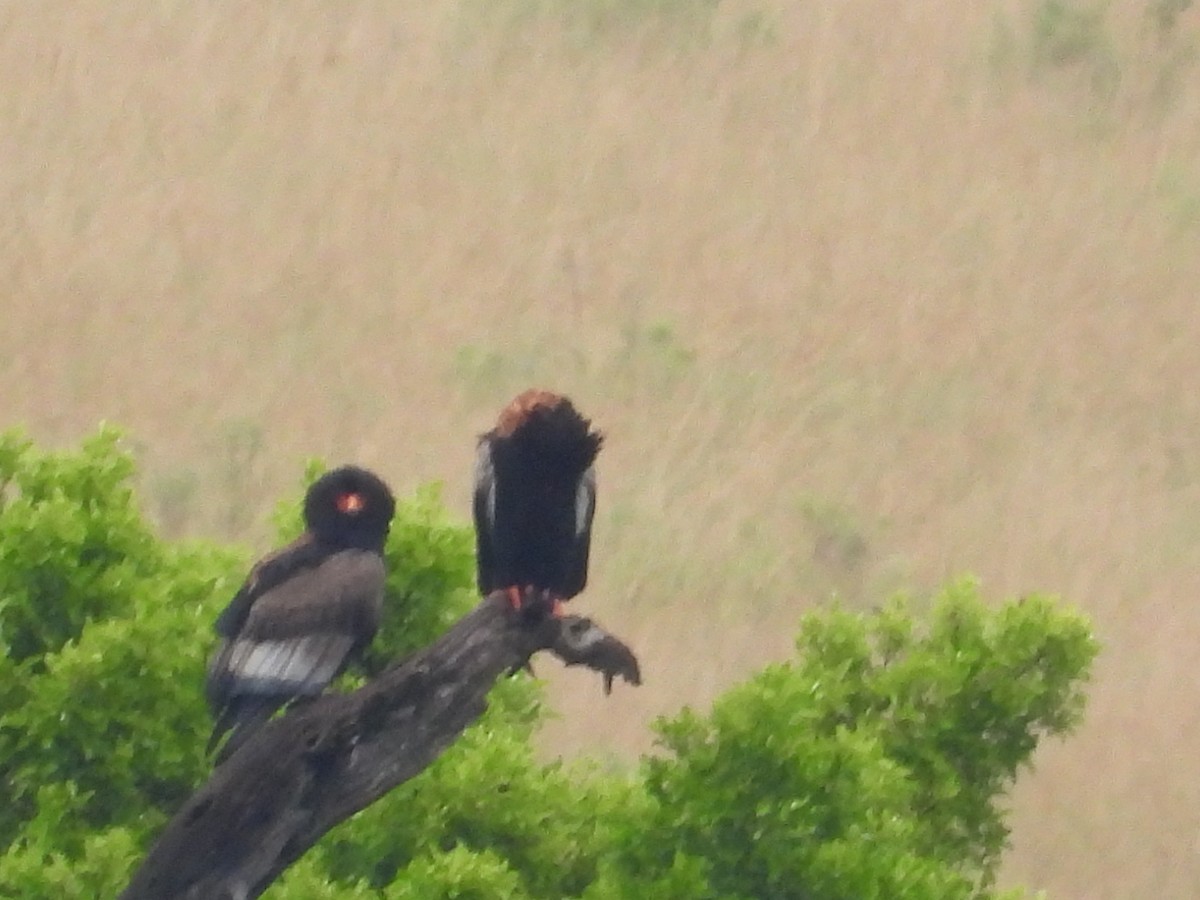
(306, 771)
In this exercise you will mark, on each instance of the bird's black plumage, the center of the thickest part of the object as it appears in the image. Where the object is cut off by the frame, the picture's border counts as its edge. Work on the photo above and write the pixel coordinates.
(535, 495)
(306, 610)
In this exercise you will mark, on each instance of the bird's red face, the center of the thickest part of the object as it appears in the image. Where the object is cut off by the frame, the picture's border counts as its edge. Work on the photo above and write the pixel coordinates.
(350, 504)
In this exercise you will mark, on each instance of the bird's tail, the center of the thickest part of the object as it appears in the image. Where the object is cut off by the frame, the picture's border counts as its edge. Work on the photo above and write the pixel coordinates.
(241, 718)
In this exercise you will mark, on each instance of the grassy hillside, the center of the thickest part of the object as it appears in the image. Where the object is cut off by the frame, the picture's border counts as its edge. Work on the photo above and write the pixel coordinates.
(863, 299)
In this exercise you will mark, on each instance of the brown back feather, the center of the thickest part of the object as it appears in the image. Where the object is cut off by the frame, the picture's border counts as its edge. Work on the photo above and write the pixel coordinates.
(343, 594)
(522, 406)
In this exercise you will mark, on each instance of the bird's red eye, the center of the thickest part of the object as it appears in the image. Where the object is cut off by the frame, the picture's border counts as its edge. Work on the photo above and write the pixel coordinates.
(350, 503)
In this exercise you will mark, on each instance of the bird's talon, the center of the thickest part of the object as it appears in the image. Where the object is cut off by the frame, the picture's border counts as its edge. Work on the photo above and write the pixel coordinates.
(514, 597)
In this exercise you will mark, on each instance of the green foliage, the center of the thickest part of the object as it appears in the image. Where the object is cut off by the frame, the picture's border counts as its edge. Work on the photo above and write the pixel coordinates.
(871, 765)
(99, 868)
(459, 874)
(70, 541)
(100, 624)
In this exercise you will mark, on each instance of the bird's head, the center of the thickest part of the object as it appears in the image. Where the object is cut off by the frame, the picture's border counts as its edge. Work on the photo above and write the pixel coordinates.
(351, 506)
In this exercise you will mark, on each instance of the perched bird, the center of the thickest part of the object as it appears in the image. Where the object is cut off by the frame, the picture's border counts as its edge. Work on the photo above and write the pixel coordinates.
(306, 610)
(535, 495)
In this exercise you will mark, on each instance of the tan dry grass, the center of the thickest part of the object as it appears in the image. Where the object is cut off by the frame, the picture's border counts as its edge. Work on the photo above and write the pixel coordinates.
(920, 313)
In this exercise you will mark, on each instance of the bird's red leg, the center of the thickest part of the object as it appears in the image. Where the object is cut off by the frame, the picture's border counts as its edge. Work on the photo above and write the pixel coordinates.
(557, 610)
(514, 596)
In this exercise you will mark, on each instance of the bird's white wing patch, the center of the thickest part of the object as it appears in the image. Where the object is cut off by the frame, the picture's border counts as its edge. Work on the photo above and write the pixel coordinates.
(585, 501)
(300, 665)
(485, 479)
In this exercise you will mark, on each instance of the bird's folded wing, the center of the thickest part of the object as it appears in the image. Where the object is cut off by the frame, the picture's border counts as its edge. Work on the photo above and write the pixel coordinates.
(297, 635)
(342, 594)
(270, 571)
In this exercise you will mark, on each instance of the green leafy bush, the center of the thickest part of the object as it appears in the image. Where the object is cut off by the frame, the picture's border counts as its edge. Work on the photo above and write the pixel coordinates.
(871, 765)
(105, 630)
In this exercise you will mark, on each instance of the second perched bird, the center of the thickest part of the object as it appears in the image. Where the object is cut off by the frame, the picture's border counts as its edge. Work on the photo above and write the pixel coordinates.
(306, 610)
(535, 495)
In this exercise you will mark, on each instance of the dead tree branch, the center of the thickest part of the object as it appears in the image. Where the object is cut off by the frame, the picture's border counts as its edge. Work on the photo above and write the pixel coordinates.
(305, 772)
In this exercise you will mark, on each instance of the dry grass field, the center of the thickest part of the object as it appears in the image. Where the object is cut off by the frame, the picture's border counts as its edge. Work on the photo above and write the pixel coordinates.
(865, 295)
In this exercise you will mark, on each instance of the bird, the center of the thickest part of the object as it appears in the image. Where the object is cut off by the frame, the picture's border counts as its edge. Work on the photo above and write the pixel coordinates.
(534, 500)
(305, 611)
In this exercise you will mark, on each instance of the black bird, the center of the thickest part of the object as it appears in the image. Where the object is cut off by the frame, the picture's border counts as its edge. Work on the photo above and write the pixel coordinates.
(535, 495)
(306, 610)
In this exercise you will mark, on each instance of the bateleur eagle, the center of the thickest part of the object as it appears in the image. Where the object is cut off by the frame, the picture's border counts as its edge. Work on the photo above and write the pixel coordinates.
(305, 611)
(535, 496)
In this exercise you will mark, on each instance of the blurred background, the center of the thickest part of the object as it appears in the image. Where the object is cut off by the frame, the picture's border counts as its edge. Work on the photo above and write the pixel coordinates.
(864, 295)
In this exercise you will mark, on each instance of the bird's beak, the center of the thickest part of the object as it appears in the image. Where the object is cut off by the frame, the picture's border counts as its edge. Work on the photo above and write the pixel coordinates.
(350, 503)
